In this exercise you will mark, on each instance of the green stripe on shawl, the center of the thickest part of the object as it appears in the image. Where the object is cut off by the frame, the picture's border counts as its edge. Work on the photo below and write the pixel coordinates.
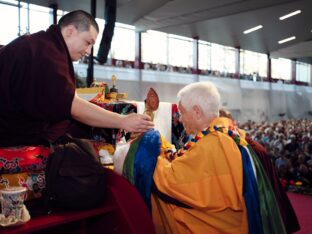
(128, 166)
(271, 218)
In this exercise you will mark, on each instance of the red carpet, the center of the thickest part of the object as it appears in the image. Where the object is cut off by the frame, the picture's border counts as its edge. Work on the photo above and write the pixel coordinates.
(303, 208)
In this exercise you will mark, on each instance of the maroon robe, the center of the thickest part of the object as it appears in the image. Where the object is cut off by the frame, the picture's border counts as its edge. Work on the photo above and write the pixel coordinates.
(37, 87)
(287, 212)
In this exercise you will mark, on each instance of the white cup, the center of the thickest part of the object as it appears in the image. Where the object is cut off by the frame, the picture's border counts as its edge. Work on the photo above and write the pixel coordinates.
(12, 201)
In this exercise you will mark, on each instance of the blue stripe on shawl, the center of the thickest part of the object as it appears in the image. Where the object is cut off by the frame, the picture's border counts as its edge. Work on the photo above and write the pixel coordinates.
(251, 195)
(145, 162)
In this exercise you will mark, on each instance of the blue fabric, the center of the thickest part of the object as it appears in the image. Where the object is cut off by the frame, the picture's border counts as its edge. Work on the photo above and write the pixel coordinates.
(145, 162)
(251, 195)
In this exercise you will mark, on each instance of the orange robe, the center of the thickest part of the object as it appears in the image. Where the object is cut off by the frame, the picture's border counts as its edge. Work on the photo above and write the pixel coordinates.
(209, 178)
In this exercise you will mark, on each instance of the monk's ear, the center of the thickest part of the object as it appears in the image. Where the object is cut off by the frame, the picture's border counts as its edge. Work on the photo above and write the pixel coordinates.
(198, 111)
(69, 30)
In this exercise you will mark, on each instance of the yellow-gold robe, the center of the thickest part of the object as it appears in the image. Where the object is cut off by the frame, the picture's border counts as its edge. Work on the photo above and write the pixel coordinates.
(208, 178)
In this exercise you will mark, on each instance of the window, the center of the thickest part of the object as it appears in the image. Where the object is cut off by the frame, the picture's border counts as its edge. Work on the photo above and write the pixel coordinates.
(281, 68)
(303, 72)
(33, 18)
(154, 47)
(9, 23)
(204, 55)
(96, 46)
(229, 60)
(39, 18)
(252, 62)
(180, 51)
(59, 14)
(123, 42)
(222, 58)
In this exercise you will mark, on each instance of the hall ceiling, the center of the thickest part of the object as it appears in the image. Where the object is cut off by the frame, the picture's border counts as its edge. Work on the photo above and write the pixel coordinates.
(218, 21)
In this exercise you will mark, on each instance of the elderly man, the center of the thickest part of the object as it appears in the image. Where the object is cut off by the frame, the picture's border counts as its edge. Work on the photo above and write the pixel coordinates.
(201, 190)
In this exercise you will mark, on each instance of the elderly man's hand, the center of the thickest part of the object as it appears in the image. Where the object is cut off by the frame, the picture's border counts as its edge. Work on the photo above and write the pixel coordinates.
(137, 123)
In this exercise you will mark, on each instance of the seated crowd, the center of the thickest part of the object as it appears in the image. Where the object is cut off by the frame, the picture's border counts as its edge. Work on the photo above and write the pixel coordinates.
(191, 70)
(289, 145)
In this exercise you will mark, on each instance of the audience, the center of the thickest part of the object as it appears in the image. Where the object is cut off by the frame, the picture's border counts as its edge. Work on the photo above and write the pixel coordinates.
(289, 145)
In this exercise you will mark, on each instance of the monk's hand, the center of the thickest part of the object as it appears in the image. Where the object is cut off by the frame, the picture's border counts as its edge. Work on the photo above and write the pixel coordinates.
(137, 123)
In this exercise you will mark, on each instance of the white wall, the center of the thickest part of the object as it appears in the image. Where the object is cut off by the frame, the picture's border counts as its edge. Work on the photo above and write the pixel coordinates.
(256, 101)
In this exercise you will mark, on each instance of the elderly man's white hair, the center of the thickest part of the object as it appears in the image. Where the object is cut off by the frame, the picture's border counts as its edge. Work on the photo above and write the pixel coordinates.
(204, 94)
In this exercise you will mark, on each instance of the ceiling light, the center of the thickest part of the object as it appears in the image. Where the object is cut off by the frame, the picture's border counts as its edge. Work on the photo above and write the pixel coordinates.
(290, 14)
(286, 40)
(253, 29)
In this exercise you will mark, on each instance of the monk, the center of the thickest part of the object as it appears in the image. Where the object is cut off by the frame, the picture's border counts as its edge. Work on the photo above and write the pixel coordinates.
(38, 102)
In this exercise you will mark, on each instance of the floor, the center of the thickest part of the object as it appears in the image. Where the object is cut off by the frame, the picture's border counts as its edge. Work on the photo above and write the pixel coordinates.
(303, 208)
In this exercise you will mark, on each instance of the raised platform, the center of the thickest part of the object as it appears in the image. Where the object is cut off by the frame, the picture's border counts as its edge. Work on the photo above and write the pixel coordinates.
(123, 211)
